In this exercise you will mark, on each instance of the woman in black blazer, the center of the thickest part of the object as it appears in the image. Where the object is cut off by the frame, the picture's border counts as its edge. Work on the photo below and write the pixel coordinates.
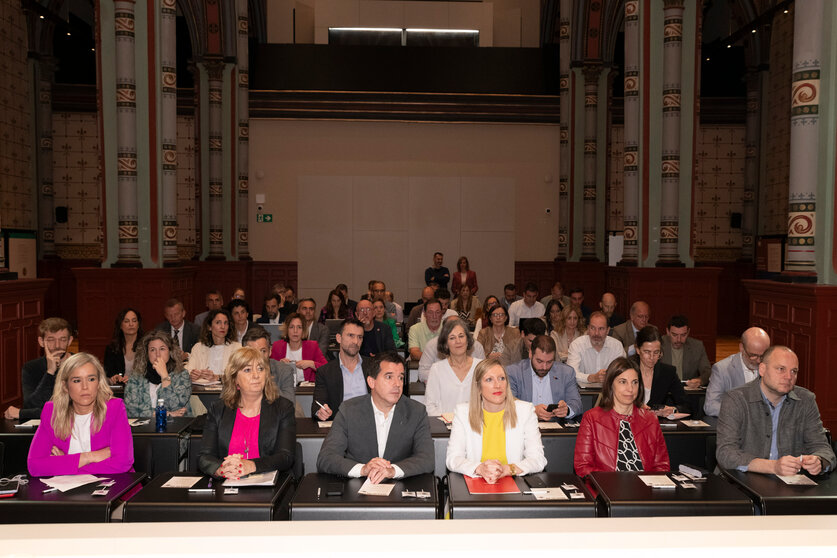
(250, 429)
(664, 391)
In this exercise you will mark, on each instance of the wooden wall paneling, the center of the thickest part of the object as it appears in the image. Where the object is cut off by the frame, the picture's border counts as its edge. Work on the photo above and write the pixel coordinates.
(221, 275)
(590, 276)
(733, 300)
(803, 317)
(102, 293)
(540, 273)
(21, 311)
(669, 291)
(61, 297)
(266, 274)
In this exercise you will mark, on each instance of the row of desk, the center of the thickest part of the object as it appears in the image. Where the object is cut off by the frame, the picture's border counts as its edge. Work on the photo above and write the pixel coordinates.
(616, 494)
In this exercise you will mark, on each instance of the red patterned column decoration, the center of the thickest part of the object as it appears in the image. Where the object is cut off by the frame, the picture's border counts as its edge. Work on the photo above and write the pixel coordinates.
(564, 152)
(630, 177)
(215, 73)
(243, 97)
(804, 137)
(168, 128)
(591, 107)
(670, 167)
(126, 134)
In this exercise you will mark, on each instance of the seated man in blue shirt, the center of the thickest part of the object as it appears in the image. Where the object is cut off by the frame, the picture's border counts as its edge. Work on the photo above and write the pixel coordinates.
(344, 377)
(544, 381)
(771, 426)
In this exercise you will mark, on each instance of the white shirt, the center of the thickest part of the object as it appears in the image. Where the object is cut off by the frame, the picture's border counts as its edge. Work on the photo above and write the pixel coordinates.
(448, 313)
(444, 390)
(80, 436)
(382, 425)
(293, 355)
(152, 391)
(216, 359)
(518, 310)
(586, 360)
(749, 375)
(430, 355)
(541, 389)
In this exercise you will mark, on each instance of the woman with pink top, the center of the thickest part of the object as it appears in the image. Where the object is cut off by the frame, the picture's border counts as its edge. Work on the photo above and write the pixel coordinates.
(84, 429)
(294, 349)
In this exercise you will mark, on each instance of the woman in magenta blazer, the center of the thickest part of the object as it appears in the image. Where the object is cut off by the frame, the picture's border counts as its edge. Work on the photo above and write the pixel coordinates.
(83, 428)
(294, 349)
(464, 276)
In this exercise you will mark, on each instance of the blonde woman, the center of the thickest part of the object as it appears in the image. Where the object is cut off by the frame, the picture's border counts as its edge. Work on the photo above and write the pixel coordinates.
(494, 435)
(84, 429)
(568, 327)
(251, 429)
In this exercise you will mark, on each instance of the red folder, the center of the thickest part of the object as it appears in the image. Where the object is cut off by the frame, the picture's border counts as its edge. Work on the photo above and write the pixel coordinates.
(477, 485)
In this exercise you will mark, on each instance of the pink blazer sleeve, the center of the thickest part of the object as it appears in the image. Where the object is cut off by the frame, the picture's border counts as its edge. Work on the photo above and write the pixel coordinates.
(279, 350)
(115, 433)
(311, 351)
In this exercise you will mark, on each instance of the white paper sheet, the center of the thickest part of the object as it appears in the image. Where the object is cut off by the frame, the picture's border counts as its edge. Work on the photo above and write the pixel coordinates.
(181, 482)
(548, 494)
(695, 423)
(657, 481)
(375, 489)
(29, 423)
(69, 482)
(138, 422)
(797, 480)
(549, 426)
(205, 382)
(325, 423)
(267, 478)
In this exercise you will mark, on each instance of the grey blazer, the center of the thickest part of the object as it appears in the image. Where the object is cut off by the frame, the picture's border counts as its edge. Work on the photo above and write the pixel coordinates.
(284, 376)
(745, 428)
(726, 375)
(695, 361)
(188, 330)
(624, 333)
(352, 438)
(561, 382)
(319, 333)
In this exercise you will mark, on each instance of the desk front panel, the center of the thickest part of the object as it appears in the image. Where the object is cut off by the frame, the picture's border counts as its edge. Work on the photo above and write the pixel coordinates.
(774, 497)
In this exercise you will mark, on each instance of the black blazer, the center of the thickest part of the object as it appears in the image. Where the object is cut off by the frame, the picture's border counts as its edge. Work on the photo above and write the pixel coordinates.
(328, 387)
(666, 388)
(382, 333)
(114, 362)
(190, 332)
(277, 436)
(37, 388)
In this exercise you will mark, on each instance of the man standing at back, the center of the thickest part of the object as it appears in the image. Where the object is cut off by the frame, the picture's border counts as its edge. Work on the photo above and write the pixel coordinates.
(736, 370)
(382, 435)
(437, 273)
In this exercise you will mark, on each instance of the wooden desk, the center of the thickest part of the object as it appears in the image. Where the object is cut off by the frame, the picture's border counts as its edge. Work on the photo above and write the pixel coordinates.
(304, 398)
(30, 505)
(464, 505)
(207, 394)
(166, 454)
(774, 497)
(307, 505)
(253, 503)
(623, 494)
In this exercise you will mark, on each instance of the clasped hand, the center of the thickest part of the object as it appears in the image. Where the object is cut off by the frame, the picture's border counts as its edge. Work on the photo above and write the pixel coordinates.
(234, 467)
(204, 374)
(492, 470)
(790, 465)
(378, 469)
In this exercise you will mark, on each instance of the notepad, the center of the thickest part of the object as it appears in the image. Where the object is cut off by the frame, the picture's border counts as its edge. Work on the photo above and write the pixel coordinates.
(694, 423)
(138, 422)
(325, 423)
(657, 481)
(306, 384)
(548, 494)
(267, 478)
(797, 480)
(478, 485)
(205, 382)
(549, 426)
(69, 482)
(181, 482)
(370, 489)
(31, 423)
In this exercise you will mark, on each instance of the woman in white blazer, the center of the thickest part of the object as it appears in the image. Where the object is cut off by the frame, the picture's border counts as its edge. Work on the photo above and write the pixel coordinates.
(494, 435)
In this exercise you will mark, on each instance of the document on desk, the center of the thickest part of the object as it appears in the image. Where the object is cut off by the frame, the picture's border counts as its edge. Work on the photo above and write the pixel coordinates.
(325, 423)
(477, 485)
(549, 426)
(31, 423)
(695, 423)
(69, 482)
(797, 480)
(306, 384)
(181, 482)
(207, 383)
(256, 479)
(590, 385)
(657, 481)
(370, 489)
(138, 422)
(548, 494)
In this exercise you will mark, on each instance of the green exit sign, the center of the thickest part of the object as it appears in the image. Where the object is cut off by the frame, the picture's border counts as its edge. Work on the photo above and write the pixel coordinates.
(264, 218)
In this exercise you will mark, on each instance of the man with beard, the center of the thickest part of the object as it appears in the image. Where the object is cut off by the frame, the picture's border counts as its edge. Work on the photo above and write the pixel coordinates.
(736, 370)
(591, 354)
(344, 377)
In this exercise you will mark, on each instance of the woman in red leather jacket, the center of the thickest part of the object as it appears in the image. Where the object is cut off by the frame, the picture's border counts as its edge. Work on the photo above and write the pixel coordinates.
(619, 435)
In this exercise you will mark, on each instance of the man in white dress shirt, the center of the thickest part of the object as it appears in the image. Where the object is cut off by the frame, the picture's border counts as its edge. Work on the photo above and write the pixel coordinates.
(591, 354)
(529, 307)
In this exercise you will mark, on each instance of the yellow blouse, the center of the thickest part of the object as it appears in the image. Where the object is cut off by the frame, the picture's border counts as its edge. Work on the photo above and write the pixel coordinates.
(493, 437)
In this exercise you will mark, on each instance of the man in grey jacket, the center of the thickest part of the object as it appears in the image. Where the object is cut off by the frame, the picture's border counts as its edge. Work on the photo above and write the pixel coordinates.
(381, 435)
(771, 426)
(736, 370)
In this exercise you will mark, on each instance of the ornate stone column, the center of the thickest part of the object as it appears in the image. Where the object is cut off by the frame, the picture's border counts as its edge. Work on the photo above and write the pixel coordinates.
(564, 153)
(751, 166)
(670, 190)
(630, 178)
(126, 131)
(591, 107)
(168, 129)
(215, 73)
(242, 208)
(46, 190)
(804, 136)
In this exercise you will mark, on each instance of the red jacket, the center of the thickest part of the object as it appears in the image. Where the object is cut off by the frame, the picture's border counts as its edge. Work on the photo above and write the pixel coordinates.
(598, 439)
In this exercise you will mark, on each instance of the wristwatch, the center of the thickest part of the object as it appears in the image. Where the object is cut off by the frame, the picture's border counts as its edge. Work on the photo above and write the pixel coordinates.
(513, 469)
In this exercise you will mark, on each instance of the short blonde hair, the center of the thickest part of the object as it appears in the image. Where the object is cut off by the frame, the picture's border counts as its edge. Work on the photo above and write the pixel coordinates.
(62, 406)
(238, 360)
(475, 417)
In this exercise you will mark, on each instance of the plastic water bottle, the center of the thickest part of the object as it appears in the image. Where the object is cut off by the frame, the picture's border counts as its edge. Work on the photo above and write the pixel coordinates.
(161, 416)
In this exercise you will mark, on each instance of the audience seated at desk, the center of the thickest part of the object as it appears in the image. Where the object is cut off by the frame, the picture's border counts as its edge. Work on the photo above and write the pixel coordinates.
(608, 307)
(564, 328)
(121, 352)
(686, 354)
(380, 312)
(449, 380)
(283, 373)
(426, 329)
(336, 308)
(158, 374)
(556, 293)
(736, 370)
(770, 425)
(466, 305)
(38, 375)
(239, 318)
(417, 313)
(84, 429)
(619, 434)
(625, 333)
(499, 340)
(430, 354)
(211, 353)
(377, 337)
(250, 429)
(493, 435)
(389, 298)
(214, 301)
(528, 307)
(314, 330)
(577, 300)
(591, 354)
(271, 314)
(663, 391)
(293, 348)
(482, 317)
(345, 377)
(184, 333)
(381, 435)
(510, 295)
(543, 381)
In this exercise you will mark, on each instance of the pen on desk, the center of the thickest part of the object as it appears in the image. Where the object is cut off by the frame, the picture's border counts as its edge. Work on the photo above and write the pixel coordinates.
(49, 490)
(318, 493)
(320, 404)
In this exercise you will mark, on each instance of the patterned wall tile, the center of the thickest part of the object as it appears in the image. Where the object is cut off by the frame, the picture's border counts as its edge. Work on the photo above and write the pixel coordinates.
(773, 205)
(186, 214)
(615, 189)
(17, 155)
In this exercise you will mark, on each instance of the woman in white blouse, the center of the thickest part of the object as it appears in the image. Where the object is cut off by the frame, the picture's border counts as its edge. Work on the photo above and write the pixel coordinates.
(449, 380)
(215, 345)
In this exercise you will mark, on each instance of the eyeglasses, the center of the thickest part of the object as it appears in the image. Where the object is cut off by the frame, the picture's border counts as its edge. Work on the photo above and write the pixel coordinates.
(364, 310)
(498, 315)
(650, 353)
(752, 356)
